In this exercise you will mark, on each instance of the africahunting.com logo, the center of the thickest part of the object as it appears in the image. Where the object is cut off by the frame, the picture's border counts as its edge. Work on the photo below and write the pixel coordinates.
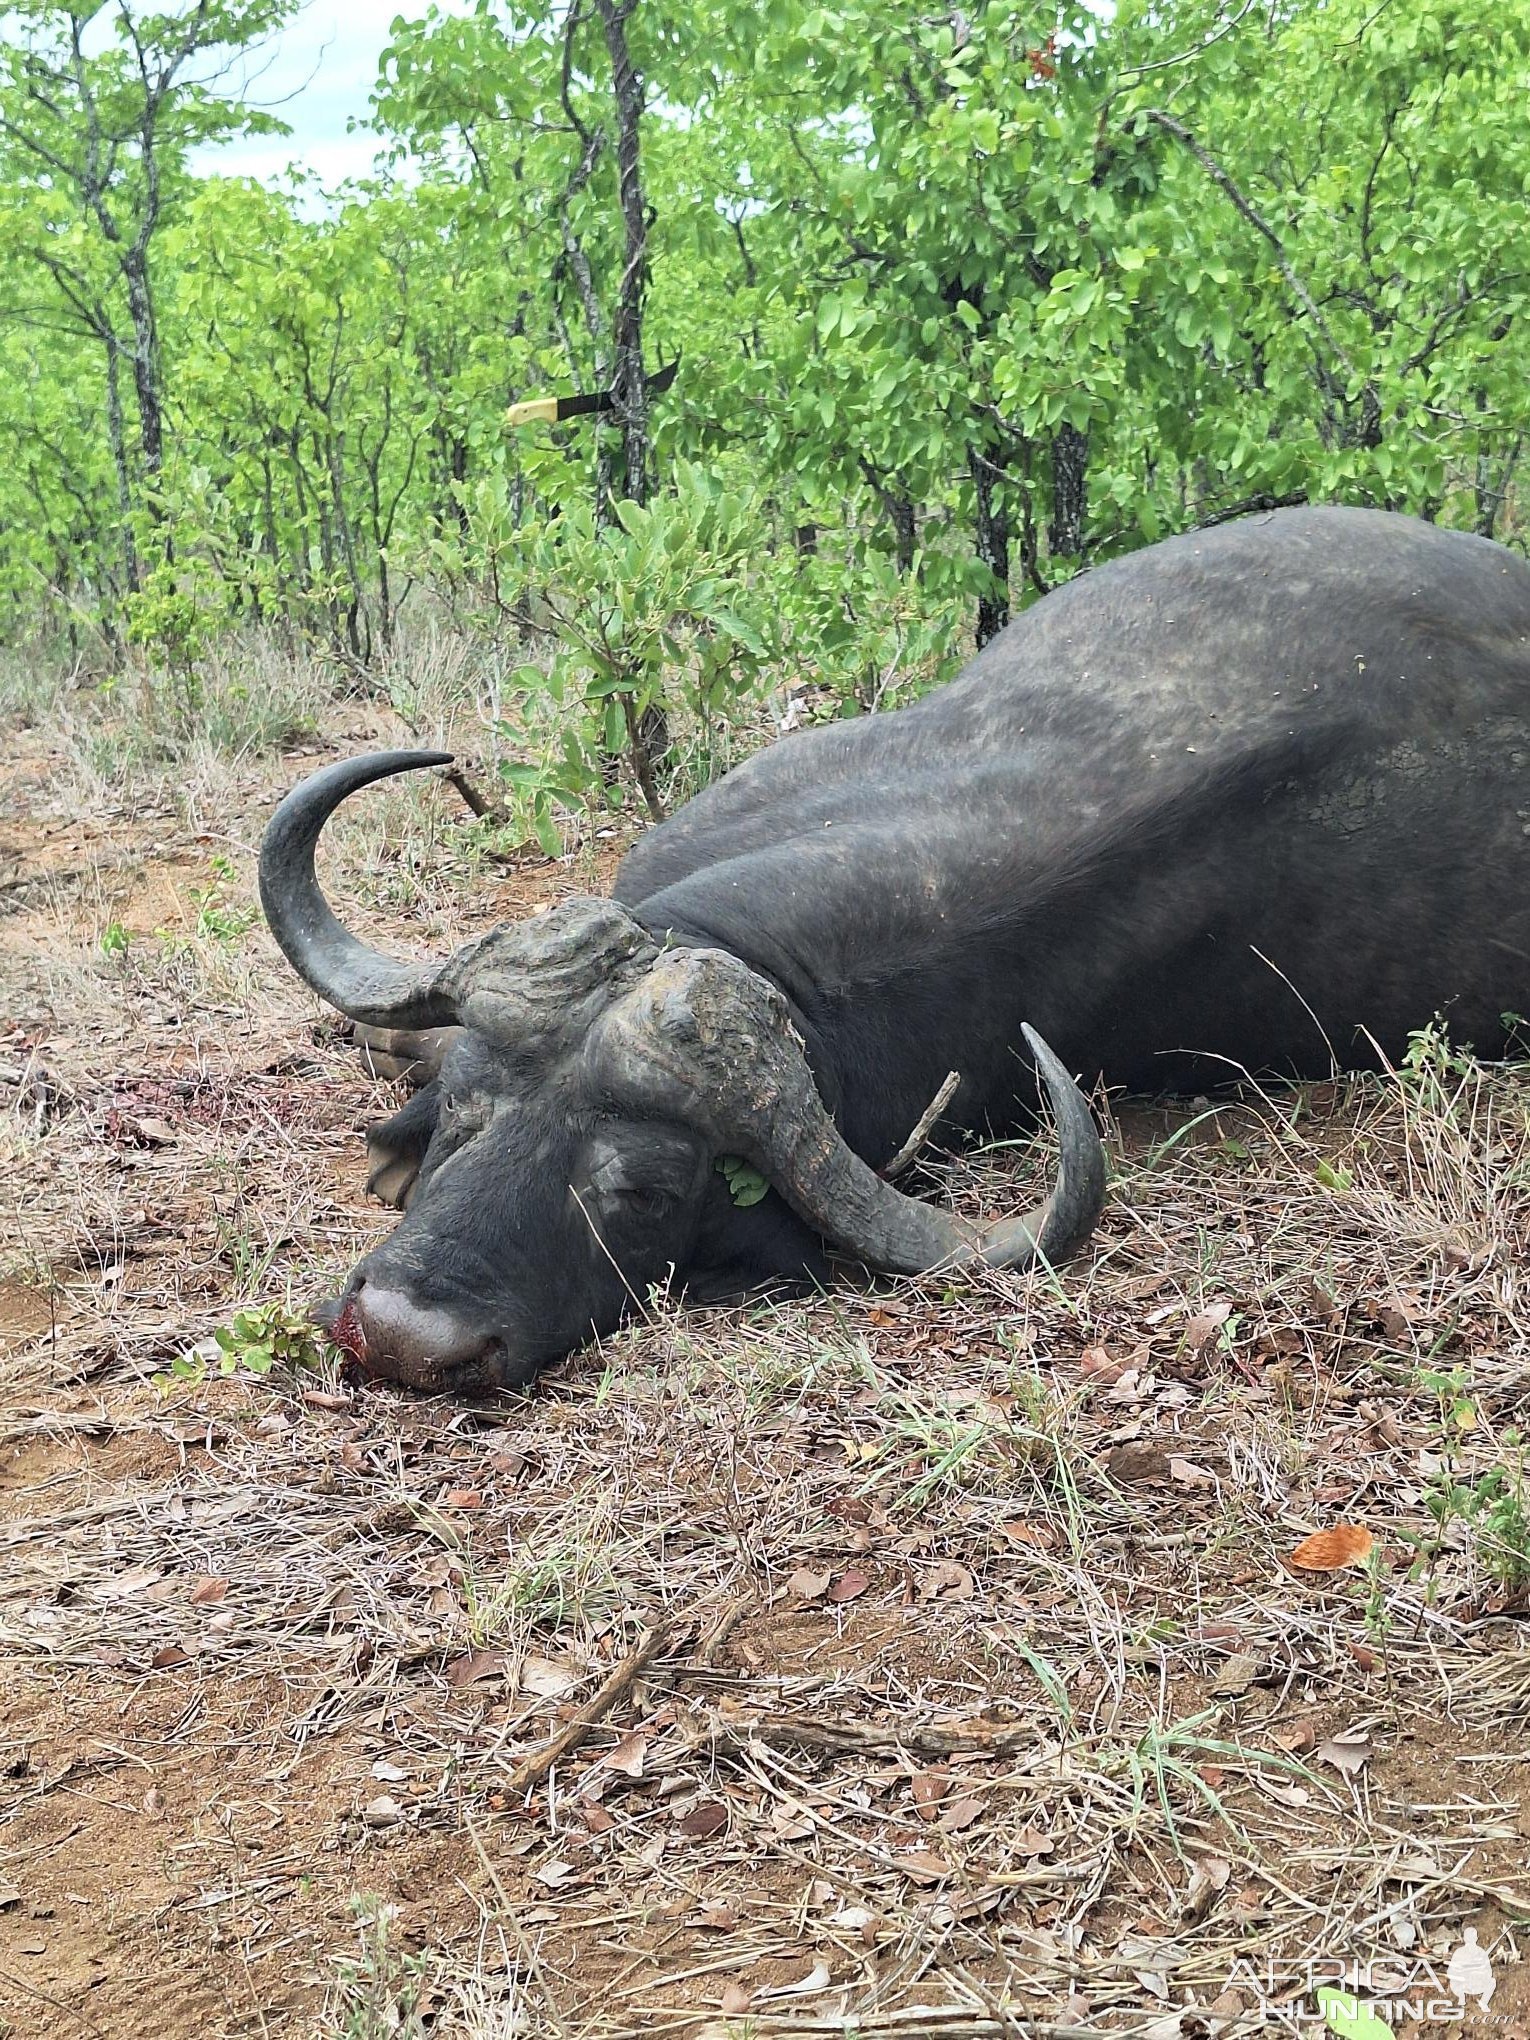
(1370, 2000)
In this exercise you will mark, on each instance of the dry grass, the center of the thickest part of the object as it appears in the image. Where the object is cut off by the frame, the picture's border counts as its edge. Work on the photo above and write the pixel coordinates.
(985, 1700)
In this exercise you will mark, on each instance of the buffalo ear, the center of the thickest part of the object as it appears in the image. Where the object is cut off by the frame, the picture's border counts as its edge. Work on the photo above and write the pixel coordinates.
(403, 1054)
(396, 1147)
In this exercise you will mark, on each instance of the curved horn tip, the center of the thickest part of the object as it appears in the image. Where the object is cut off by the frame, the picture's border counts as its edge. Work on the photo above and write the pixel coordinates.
(367, 766)
(1070, 1214)
(358, 980)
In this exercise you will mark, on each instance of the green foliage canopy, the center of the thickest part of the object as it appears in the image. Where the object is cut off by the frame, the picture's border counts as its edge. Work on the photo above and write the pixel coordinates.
(962, 303)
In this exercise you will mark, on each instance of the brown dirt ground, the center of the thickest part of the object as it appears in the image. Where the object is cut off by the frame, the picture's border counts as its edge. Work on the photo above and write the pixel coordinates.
(983, 1683)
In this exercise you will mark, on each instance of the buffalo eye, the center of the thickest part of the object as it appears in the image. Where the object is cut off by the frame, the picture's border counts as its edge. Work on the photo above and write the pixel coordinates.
(642, 1200)
(643, 1174)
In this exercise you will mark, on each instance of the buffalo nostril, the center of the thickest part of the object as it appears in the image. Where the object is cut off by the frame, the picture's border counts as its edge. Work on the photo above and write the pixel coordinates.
(390, 1334)
(348, 1330)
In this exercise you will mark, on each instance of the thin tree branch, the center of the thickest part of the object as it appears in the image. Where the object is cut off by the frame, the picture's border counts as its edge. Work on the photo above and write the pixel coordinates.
(1257, 221)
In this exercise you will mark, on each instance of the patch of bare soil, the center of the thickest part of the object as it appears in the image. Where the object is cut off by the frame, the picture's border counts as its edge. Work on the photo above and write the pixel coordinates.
(926, 1660)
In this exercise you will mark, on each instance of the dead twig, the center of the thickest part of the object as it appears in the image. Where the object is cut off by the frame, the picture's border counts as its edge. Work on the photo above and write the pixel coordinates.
(953, 2022)
(921, 1132)
(485, 808)
(530, 1771)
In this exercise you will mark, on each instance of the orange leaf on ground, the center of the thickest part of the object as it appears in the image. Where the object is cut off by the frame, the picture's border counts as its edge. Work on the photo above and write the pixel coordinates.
(929, 1789)
(1332, 1550)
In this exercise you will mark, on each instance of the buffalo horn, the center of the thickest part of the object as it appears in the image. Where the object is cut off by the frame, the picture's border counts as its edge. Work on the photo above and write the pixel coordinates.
(363, 983)
(705, 1040)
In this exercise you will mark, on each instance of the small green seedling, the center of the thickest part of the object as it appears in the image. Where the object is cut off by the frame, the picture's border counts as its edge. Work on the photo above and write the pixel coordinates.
(746, 1185)
(255, 1341)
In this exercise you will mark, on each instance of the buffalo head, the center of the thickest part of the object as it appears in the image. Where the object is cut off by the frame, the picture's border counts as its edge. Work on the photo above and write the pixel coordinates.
(563, 1160)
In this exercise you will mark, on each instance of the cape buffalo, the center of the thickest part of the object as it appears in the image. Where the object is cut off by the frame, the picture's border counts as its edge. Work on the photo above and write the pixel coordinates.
(1252, 799)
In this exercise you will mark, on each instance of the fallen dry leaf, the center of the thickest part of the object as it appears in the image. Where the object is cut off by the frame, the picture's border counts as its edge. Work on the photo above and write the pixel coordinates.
(168, 1657)
(1235, 1677)
(929, 1789)
(207, 1591)
(462, 1498)
(1031, 1842)
(1188, 1474)
(628, 1756)
(1347, 1753)
(1095, 1364)
(1141, 1460)
(945, 1580)
(704, 1821)
(849, 1586)
(136, 1579)
(382, 1812)
(1285, 1795)
(957, 1814)
(545, 1677)
(809, 1586)
(1209, 1877)
(1332, 1550)
(475, 1665)
(923, 1865)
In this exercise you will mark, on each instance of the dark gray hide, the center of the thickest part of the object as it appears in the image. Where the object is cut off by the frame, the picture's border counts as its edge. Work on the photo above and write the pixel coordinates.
(1253, 799)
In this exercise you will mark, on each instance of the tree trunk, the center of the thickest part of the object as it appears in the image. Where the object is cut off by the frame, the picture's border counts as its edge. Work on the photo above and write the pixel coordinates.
(991, 532)
(899, 510)
(1070, 493)
(116, 430)
(648, 731)
(628, 384)
(145, 365)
